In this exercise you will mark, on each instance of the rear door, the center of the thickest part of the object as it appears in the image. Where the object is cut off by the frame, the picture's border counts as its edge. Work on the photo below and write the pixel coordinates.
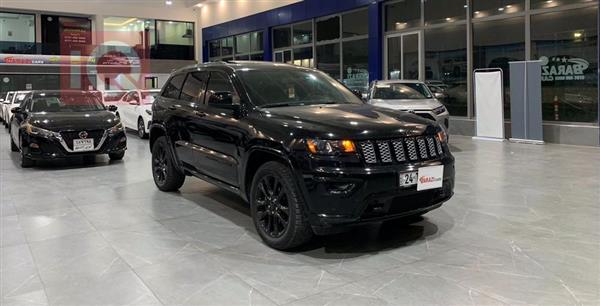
(222, 132)
(184, 120)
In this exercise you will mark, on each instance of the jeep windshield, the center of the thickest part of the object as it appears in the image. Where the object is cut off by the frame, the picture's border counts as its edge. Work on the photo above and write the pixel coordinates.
(294, 87)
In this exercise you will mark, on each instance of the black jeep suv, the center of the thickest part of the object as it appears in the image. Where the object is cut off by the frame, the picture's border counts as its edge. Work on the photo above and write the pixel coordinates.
(305, 152)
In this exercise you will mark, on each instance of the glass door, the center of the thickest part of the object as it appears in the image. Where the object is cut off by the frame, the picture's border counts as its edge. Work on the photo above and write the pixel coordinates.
(403, 56)
(283, 56)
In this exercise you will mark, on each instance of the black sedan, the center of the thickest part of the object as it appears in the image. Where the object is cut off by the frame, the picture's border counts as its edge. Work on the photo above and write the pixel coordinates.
(61, 124)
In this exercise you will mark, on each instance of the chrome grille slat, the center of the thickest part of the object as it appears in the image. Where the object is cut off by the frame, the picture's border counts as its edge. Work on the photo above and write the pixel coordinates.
(384, 151)
(368, 151)
(422, 148)
(431, 146)
(439, 146)
(411, 148)
(399, 150)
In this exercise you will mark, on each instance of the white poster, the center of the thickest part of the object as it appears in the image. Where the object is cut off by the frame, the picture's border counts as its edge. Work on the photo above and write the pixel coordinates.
(489, 105)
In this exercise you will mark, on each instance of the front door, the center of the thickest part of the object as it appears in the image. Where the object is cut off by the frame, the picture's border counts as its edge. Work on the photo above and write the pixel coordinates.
(403, 56)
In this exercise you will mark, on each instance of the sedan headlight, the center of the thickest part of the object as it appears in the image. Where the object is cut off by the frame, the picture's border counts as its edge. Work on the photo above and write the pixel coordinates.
(149, 112)
(439, 110)
(116, 129)
(330, 147)
(38, 131)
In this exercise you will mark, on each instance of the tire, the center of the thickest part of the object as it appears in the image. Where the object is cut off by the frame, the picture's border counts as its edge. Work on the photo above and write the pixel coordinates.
(164, 171)
(116, 156)
(26, 162)
(142, 129)
(274, 194)
(13, 145)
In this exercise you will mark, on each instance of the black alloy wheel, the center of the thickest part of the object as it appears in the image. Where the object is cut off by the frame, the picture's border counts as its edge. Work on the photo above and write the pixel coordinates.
(159, 165)
(166, 176)
(278, 208)
(272, 206)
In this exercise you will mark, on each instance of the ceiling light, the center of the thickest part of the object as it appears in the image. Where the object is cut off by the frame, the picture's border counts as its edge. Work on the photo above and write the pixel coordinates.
(577, 34)
(501, 9)
(168, 2)
(509, 6)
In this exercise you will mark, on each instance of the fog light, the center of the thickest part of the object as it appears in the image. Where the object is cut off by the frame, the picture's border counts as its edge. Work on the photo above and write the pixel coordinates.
(340, 188)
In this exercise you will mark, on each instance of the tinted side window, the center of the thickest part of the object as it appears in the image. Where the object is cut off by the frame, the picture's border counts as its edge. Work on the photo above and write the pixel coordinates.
(219, 83)
(173, 88)
(193, 89)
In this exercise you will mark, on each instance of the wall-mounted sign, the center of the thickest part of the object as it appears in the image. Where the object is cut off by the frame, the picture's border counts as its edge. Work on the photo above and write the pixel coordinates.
(563, 68)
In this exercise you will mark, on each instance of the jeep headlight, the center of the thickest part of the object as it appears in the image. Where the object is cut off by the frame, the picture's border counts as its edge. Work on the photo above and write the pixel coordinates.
(330, 147)
(439, 110)
(38, 131)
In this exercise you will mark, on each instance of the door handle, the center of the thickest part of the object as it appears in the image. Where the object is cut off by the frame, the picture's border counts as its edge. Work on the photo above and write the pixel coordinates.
(200, 114)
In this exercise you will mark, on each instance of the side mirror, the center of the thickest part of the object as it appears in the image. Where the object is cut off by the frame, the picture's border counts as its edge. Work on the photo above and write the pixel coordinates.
(438, 95)
(357, 93)
(112, 108)
(16, 110)
(224, 100)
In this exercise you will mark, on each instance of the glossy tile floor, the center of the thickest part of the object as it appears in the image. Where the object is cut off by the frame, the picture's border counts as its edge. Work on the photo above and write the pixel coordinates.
(524, 227)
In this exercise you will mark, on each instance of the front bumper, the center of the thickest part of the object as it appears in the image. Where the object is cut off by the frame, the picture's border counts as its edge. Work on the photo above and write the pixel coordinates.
(42, 148)
(337, 198)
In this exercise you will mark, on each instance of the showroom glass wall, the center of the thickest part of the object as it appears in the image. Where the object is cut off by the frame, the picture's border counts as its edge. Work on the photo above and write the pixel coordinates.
(336, 44)
(18, 33)
(442, 41)
(248, 46)
(151, 38)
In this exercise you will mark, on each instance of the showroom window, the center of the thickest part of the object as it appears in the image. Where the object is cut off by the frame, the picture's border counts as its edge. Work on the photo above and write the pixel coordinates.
(485, 8)
(282, 37)
(17, 33)
(174, 40)
(402, 15)
(328, 28)
(303, 33)
(495, 44)
(347, 57)
(243, 47)
(356, 64)
(444, 11)
(352, 26)
(136, 33)
(297, 50)
(329, 59)
(567, 44)
(446, 66)
(543, 4)
(150, 38)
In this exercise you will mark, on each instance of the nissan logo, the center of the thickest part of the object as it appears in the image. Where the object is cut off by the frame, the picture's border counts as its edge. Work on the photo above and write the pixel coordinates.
(83, 134)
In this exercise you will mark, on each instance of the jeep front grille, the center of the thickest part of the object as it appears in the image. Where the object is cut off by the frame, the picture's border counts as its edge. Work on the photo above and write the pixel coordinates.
(422, 148)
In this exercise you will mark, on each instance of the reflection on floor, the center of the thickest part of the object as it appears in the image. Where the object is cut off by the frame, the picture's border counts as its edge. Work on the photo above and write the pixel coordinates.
(524, 227)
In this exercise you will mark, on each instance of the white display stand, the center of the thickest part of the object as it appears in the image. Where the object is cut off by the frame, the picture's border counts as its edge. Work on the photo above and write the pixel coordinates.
(489, 104)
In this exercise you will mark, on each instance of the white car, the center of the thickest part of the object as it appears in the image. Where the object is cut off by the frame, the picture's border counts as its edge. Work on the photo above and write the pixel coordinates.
(16, 100)
(112, 97)
(410, 96)
(135, 110)
(4, 104)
